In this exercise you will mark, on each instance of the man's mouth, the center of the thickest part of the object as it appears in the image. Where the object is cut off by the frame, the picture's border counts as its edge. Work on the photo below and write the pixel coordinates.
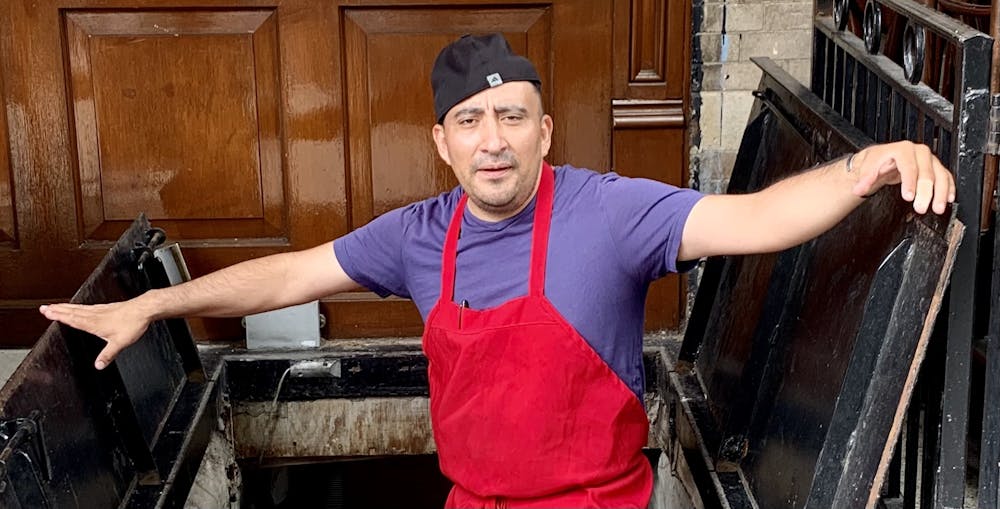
(493, 171)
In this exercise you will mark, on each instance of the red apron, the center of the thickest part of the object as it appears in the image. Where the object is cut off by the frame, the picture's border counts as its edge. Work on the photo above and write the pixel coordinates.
(524, 411)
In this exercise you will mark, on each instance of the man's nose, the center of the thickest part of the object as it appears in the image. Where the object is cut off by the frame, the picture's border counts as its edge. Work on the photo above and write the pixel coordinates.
(493, 138)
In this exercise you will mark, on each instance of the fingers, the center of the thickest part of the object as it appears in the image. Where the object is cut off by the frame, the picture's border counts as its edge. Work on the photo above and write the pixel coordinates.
(75, 315)
(907, 168)
(922, 178)
(925, 178)
(109, 322)
(934, 184)
(944, 187)
(108, 354)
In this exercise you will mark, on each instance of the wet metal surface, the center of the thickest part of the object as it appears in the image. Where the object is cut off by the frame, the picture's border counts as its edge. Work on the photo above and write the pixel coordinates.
(873, 93)
(117, 436)
(799, 364)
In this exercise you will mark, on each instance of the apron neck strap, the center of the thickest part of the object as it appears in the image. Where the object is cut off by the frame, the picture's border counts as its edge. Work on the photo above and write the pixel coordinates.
(539, 238)
(540, 231)
(450, 251)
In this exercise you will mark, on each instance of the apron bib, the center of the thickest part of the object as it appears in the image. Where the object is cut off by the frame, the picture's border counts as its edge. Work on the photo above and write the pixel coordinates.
(525, 413)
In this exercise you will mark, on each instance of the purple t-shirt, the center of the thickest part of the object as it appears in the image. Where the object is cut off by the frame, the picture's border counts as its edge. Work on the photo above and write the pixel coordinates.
(610, 237)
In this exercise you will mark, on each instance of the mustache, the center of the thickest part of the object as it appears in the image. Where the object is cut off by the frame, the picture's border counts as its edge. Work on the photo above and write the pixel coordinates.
(504, 158)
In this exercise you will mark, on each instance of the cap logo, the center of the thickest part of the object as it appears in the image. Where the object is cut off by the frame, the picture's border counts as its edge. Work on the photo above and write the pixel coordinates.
(494, 80)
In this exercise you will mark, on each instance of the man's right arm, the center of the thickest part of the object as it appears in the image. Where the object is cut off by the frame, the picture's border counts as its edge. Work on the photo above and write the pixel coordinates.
(249, 287)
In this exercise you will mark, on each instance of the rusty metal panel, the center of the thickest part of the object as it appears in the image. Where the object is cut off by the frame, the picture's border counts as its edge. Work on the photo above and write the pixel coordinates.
(804, 361)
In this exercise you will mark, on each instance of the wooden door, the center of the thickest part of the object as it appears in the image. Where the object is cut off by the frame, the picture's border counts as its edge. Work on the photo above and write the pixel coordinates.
(271, 126)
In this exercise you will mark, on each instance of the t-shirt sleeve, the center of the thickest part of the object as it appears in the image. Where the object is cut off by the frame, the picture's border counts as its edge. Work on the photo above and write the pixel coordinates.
(373, 255)
(646, 220)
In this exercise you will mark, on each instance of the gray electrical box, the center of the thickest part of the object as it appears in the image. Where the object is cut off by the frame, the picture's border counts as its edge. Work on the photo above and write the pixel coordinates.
(291, 327)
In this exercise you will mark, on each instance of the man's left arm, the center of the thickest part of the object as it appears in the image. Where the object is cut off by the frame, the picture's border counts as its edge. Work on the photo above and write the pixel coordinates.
(804, 206)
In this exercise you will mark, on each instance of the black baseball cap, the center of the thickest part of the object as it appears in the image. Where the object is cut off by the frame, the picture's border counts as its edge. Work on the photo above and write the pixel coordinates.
(472, 64)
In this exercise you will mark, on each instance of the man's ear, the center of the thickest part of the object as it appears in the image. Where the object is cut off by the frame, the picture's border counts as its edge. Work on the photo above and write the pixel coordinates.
(442, 145)
(546, 134)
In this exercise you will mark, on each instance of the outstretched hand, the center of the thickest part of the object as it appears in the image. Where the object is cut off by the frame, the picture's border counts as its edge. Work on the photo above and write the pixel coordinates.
(119, 324)
(922, 178)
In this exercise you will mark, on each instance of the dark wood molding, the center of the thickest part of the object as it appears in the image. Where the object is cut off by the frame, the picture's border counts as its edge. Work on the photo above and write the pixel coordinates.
(640, 113)
(8, 222)
(648, 55)
(651, 46)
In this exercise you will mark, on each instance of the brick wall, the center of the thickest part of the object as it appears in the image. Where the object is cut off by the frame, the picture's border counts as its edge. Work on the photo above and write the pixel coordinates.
(727, 34)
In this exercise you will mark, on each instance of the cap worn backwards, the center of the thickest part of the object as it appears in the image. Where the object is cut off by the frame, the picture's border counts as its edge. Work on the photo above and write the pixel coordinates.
(472, 64)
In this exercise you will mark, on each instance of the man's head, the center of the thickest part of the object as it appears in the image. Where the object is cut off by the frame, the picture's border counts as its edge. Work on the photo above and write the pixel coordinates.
(491, 129)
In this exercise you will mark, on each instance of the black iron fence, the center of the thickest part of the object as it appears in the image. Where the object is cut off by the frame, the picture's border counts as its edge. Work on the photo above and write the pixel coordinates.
(876, 83)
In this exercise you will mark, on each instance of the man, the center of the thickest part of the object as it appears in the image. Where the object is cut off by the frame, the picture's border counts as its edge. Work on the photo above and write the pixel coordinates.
(531, 281)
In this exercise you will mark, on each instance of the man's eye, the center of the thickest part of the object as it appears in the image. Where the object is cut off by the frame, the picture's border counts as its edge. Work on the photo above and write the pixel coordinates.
(466, 121)
(512, 118)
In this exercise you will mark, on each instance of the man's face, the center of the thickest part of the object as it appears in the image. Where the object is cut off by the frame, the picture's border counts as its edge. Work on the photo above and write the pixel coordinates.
(495, 141)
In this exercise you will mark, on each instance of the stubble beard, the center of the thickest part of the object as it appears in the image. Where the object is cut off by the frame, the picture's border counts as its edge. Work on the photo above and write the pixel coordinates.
(500, 197)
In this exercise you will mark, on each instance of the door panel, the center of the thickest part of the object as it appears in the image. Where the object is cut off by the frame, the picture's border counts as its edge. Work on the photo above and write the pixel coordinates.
(220, 123)
(392, 160)
(651, 50)
(169, 106)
